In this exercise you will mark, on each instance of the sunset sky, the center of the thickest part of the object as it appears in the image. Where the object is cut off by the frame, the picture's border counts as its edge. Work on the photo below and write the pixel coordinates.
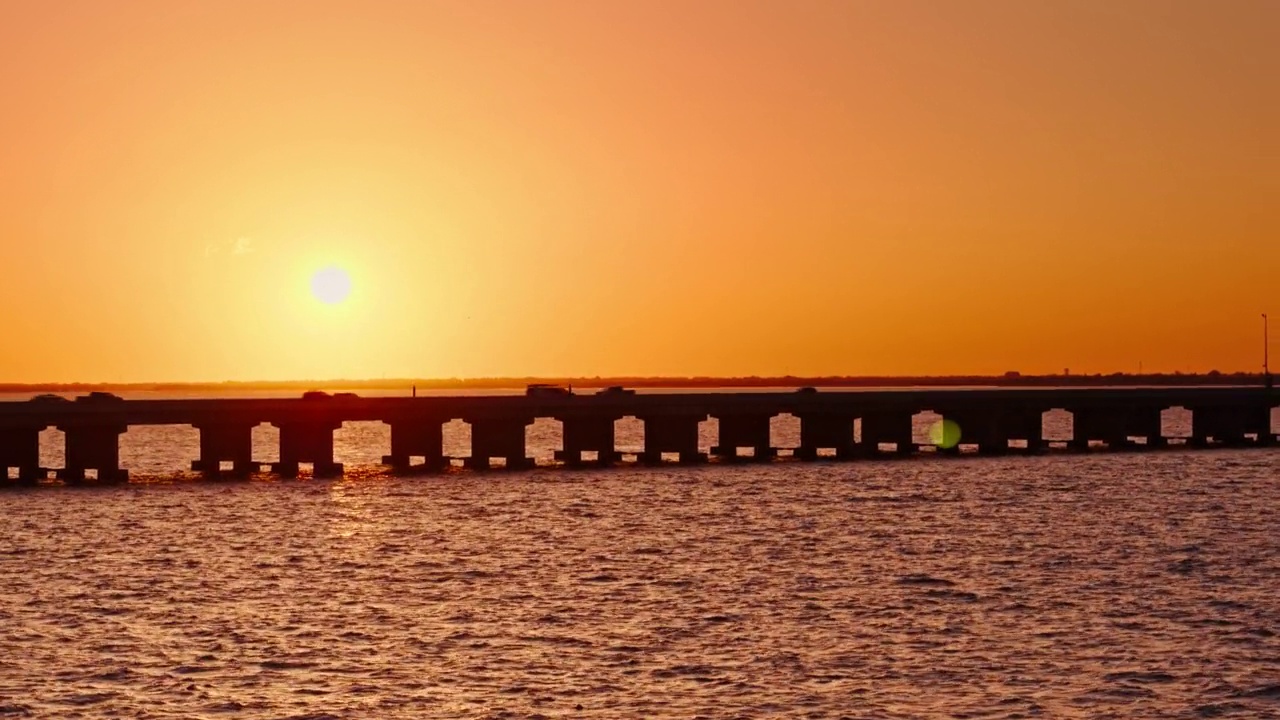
(645, 188)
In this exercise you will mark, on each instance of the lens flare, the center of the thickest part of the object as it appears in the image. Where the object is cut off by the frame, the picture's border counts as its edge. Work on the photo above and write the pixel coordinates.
(945, 434)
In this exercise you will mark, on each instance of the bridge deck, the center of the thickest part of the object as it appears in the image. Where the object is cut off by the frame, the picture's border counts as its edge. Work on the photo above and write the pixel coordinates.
(270, 410)
(992, 421)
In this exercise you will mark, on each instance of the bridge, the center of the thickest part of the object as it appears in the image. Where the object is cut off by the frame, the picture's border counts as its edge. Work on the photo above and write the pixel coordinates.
(992, 421)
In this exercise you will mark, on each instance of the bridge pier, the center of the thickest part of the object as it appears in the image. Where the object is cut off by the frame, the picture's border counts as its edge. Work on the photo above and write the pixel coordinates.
(498, 438)
(889, 428)
(20, 451)
(307, 441)
(744, 431)
(1228, 426)
(588, 434)
(1026, 424)
(225, 441)
(1115, 426)
(826, 431)
(93, 447)
(410, 438)
(671, 434)
(1088, 424)
(982, 428)
(1148, 423)
(992, 428)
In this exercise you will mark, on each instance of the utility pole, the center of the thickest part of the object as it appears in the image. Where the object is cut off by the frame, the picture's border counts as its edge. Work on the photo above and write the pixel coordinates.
(1266, 352)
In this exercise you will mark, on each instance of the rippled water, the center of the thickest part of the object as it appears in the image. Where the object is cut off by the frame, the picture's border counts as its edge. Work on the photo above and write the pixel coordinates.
(1090, 586)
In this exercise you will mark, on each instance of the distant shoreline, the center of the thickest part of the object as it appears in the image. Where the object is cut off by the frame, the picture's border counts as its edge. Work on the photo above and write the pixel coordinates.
(1006, 380)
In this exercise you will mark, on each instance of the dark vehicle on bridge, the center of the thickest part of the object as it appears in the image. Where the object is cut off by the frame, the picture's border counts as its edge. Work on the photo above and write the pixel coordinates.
(547, 390)
(98, 397)
(316, 395)
(807, 390)
(48, 398)
(616, 390)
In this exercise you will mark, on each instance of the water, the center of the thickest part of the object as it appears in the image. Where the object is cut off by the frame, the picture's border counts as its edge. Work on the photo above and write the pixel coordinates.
(1110, 585)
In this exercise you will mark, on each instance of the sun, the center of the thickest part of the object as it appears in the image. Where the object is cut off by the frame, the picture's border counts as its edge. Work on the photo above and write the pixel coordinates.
(331, 285)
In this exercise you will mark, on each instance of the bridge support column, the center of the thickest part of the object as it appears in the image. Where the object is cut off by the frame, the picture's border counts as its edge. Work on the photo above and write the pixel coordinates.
(1116, 426)
(1147, 422)
(498, 438)
(671, 434)
(1228, 426)
(225, 441)
(992, 428)
(889, 428)
(20, 451)
(307, 441)
(983, 428)
(826, 431)
(93, 447)
(1026, 424)
(410, 438)
(588, 434)
(1089, 424)
(739, 431)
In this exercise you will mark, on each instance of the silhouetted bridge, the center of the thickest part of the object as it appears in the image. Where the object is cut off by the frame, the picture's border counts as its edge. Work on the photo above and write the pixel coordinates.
(991, 420)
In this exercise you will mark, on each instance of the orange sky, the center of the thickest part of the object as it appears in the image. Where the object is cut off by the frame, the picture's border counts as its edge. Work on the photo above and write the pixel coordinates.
(595, 188)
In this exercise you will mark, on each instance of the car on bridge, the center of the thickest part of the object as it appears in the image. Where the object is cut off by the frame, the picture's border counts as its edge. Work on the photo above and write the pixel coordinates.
(100, 397)
(49, 398)
(616, 390)
(547, 390)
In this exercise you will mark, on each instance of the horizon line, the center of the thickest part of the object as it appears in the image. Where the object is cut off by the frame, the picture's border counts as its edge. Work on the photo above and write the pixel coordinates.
(1011, 377)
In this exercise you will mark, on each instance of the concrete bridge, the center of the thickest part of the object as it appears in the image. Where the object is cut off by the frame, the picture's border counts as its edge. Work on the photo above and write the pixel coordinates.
(992, 421)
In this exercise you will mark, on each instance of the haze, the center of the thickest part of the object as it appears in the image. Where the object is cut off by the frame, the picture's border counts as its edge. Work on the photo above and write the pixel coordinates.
(645, 188)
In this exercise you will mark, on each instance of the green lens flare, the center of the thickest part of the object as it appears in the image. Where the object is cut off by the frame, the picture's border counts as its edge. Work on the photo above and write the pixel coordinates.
(945, 434)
